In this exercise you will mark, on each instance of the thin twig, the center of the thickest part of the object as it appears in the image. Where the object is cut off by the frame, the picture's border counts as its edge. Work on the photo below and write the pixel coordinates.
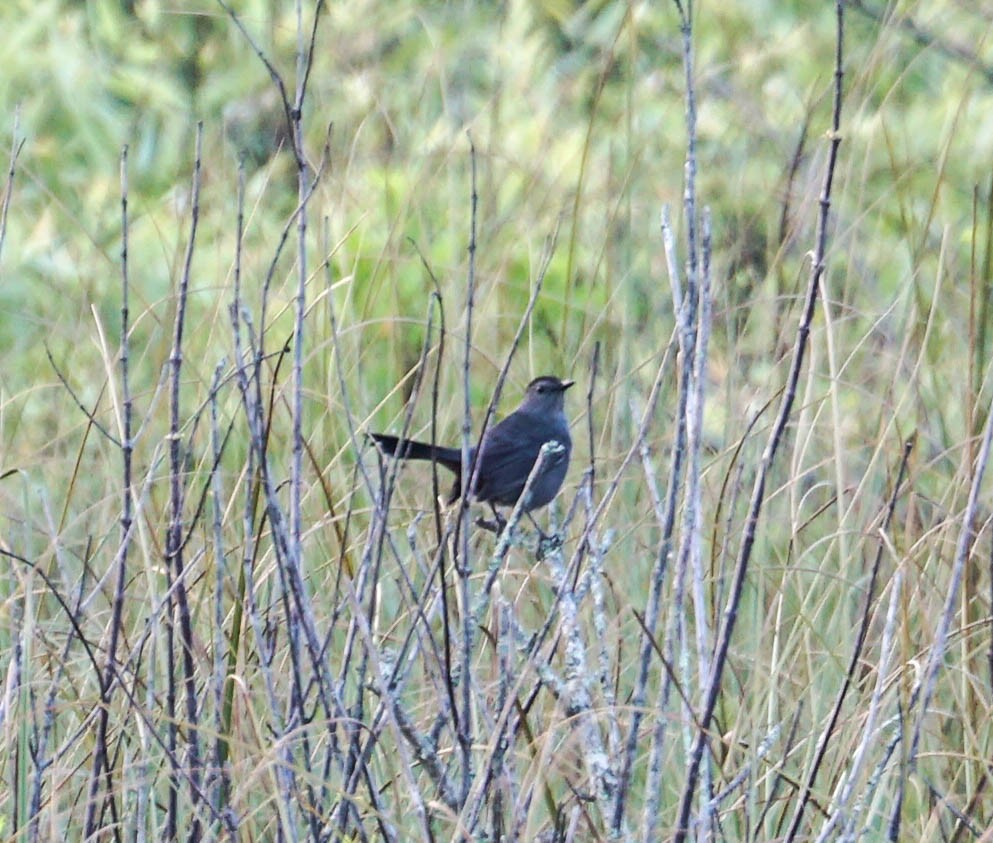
(120, 562)
(174, 536)
(90, 415)
(463, 715)
(15, 150)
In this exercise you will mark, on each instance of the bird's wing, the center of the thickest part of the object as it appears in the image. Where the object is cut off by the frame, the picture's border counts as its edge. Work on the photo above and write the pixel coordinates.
(509, 451)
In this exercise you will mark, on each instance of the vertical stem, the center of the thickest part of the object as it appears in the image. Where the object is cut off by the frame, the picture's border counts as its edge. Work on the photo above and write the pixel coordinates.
(127, 450)
(174, 536)
(464, 717)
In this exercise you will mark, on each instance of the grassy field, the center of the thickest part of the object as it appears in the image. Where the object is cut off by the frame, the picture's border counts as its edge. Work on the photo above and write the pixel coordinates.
(768, 615)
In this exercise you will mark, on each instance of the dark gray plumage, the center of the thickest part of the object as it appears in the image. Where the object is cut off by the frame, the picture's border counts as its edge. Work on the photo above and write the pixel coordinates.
(508, 450)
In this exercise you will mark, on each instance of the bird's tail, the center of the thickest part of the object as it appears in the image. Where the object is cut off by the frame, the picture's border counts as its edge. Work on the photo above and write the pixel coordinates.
(410, 449)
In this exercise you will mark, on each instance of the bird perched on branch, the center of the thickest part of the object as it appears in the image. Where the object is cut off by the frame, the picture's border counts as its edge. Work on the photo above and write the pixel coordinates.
(508, 450)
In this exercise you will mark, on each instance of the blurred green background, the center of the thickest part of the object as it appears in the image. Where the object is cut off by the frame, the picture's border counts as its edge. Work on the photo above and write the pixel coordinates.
(577, 115)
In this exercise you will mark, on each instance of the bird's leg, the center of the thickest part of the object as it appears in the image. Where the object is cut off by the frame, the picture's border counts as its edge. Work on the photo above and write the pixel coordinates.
(547, 542)
(500, 520)
(541, 533)
(496, 525)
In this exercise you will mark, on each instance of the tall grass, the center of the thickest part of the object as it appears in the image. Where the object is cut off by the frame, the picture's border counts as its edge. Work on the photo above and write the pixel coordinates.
(765, 609)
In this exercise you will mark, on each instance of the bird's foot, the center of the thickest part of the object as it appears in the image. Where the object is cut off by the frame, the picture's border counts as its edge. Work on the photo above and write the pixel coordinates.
(495, 526)
(547, 543)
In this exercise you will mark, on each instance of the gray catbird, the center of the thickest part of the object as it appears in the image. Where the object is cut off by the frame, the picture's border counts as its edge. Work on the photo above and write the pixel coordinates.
(508, 450)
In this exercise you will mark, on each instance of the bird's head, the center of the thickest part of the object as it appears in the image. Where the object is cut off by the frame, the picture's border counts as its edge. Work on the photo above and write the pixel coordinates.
(546, 393)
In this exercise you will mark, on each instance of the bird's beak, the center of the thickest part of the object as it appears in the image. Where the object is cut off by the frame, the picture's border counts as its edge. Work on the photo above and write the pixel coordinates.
(566, 384)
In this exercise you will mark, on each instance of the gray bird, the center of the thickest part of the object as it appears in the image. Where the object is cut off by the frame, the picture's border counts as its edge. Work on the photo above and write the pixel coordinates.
(508, 450)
